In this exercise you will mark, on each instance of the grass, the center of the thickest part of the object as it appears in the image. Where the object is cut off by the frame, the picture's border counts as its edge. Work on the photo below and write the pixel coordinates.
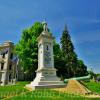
(93, 86)
(7, 91)
(17, 92)
(47, 95)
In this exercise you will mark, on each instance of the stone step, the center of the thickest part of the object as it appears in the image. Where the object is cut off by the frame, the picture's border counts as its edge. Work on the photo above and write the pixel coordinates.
(47, 79)
(49, 82)
(49, 86)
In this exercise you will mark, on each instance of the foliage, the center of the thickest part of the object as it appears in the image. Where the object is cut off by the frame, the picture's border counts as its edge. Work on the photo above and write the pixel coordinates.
(65, 59)
(92, 74)
(27, 48)
(58, 61)
(81, 68)
(73, 67)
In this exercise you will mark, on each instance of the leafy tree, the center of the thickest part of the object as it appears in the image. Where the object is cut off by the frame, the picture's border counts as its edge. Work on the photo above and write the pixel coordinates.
(27, 48)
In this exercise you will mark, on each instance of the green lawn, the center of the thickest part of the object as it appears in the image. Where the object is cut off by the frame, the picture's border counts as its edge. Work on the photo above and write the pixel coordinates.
(6, 91)
(93, 86)
(18, 92)
(47, 95)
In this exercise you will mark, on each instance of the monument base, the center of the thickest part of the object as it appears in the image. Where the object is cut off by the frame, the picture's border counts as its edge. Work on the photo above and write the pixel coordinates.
(44, 86)
(46, 78)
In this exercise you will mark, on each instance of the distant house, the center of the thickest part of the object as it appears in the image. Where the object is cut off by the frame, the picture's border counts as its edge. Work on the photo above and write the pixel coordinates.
(8, 64)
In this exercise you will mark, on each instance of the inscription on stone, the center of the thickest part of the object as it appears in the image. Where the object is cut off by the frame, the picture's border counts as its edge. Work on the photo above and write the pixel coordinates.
(47, 58)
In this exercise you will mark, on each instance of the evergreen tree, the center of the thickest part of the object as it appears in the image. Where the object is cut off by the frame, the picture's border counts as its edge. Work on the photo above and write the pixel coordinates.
(72, 65)
(81, 69)
(58, 61)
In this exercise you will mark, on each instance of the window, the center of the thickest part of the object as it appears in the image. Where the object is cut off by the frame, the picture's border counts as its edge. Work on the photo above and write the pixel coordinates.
(3, 56)
(11, 56)
(17, 66)
(10, 67)
(39, 45)
(2, 66)
(16, 76)
(47, 48)
(10, 78)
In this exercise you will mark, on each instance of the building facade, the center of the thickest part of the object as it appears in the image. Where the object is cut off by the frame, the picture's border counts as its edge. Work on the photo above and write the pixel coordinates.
(8, 64)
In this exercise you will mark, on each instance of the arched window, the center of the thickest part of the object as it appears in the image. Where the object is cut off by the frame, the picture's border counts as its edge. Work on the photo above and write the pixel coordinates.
(47, 48)
(3, 56)
(39, 45)
(11, 56)
(10, 67)
(9, 77)
(2, 66)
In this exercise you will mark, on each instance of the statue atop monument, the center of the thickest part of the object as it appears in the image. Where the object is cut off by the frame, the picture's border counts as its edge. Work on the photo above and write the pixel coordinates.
(45, 28)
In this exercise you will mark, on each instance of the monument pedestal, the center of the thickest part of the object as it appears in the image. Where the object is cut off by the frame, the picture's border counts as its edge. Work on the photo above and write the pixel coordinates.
(46, 78)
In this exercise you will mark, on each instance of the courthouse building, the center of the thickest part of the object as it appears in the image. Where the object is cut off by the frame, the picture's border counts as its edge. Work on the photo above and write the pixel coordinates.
(8, 64)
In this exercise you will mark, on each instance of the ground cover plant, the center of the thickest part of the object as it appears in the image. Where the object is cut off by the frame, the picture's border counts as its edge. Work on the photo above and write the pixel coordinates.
(93, 86)
(7, 91)
(47, 94)
(18, 92)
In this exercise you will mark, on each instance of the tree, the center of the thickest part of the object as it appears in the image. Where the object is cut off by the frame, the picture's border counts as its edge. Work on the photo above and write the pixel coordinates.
(58, 61)
(27, 48)
(65, 59)
(81, 68)
(92, 74)
(68, 53)
(73, 65)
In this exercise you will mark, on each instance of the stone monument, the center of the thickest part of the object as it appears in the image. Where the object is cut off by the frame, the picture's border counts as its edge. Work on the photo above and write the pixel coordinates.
(46, 73)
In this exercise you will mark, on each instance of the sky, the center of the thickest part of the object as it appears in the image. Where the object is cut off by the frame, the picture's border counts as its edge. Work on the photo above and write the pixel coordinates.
(82, 18)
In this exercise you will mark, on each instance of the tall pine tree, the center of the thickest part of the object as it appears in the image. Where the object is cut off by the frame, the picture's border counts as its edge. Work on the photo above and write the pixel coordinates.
(72, 65)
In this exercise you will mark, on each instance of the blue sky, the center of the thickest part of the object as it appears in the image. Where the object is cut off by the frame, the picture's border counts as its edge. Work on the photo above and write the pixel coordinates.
(81, 16)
